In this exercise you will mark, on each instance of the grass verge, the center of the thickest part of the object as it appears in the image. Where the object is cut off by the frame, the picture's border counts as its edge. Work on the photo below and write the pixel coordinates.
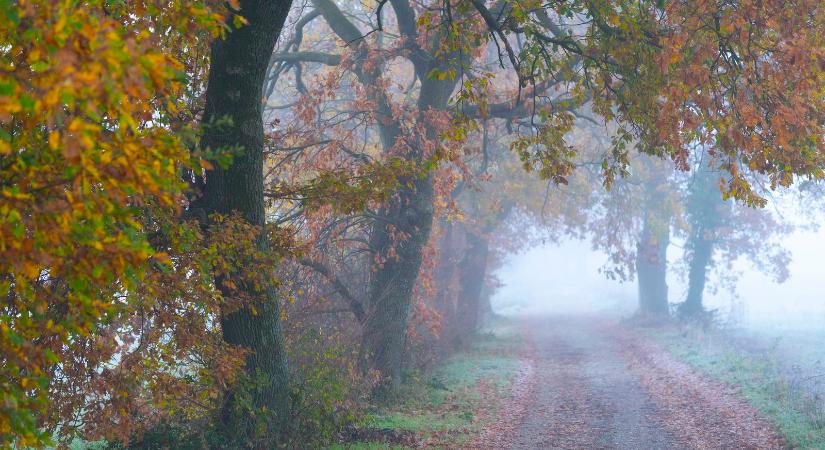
(765, 378)
(442, 408)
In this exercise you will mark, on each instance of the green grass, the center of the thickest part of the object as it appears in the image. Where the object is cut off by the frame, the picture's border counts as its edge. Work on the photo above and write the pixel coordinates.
(761, 377)
(366, 446)
(445, 401)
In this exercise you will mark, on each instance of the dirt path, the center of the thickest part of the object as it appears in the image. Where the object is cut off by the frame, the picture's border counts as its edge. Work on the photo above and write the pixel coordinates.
(598, 385)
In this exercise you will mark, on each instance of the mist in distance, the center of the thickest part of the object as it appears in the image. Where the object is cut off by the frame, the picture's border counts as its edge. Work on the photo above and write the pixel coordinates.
(565, 277)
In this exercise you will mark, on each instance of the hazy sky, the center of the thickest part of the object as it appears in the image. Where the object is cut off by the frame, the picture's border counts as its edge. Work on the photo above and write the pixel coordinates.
(566, 278)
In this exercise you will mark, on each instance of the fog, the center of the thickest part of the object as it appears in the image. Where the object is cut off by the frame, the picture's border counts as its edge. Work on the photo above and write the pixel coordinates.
(561, 277)
(565, 277)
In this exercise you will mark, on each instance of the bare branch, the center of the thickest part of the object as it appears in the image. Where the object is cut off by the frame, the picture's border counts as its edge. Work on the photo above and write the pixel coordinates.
(318, 57)
(355, 305)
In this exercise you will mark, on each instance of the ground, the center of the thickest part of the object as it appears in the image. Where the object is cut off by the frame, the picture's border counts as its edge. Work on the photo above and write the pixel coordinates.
(601, 385)
(577, 382)
(781, 372)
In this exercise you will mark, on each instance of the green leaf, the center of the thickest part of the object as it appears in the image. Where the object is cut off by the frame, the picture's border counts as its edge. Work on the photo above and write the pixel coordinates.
(6, 88)
(27, 102)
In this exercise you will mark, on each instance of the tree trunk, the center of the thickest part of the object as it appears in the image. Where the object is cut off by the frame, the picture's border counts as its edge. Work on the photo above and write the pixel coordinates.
(702, 251)
(651, 267)
(391, 284)
(445, 276)
(486, 313)
(447, 281)
(705, 215)
(473, 269)
(234, 91)
(410, 211)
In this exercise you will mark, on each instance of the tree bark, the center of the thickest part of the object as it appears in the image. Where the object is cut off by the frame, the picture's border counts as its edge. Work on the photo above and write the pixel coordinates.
(410, 211)
(237, 70)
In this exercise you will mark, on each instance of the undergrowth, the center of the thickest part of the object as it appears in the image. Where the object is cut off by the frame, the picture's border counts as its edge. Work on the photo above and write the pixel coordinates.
(441, 407)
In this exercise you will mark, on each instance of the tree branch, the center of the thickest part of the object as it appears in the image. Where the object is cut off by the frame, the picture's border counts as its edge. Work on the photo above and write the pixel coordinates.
(337, 21)
(318, 57)
(355, 306)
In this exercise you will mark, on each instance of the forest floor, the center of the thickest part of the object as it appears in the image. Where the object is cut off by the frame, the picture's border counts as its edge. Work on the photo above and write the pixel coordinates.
(576, 382)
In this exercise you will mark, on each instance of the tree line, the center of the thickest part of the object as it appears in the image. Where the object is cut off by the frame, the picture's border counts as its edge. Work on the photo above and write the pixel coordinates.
(229, 224)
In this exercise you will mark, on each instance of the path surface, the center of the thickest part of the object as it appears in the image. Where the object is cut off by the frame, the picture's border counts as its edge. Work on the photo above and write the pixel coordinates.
(597, 385)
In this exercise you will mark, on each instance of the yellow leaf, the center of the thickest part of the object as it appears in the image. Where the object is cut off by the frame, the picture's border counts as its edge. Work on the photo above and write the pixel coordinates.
(31, 270)
(54, 140)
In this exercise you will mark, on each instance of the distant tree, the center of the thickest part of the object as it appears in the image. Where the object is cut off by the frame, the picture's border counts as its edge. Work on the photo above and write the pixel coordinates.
(706, 214)
(654, 239)
(720, 232)
(633, 223)
(636, 221)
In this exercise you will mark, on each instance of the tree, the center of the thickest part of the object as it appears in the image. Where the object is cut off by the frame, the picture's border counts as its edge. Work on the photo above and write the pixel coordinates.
(417, 127)
(720, 232)
(256, 413)
(502, 209)
(651, 249)
(87, 106)
(705, 210)
(633, 224)
(399, 228)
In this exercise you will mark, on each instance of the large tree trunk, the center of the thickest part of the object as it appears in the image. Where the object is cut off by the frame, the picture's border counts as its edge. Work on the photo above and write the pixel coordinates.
(651, 267)
(410, 211)
(234, 91)
(391, 283)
